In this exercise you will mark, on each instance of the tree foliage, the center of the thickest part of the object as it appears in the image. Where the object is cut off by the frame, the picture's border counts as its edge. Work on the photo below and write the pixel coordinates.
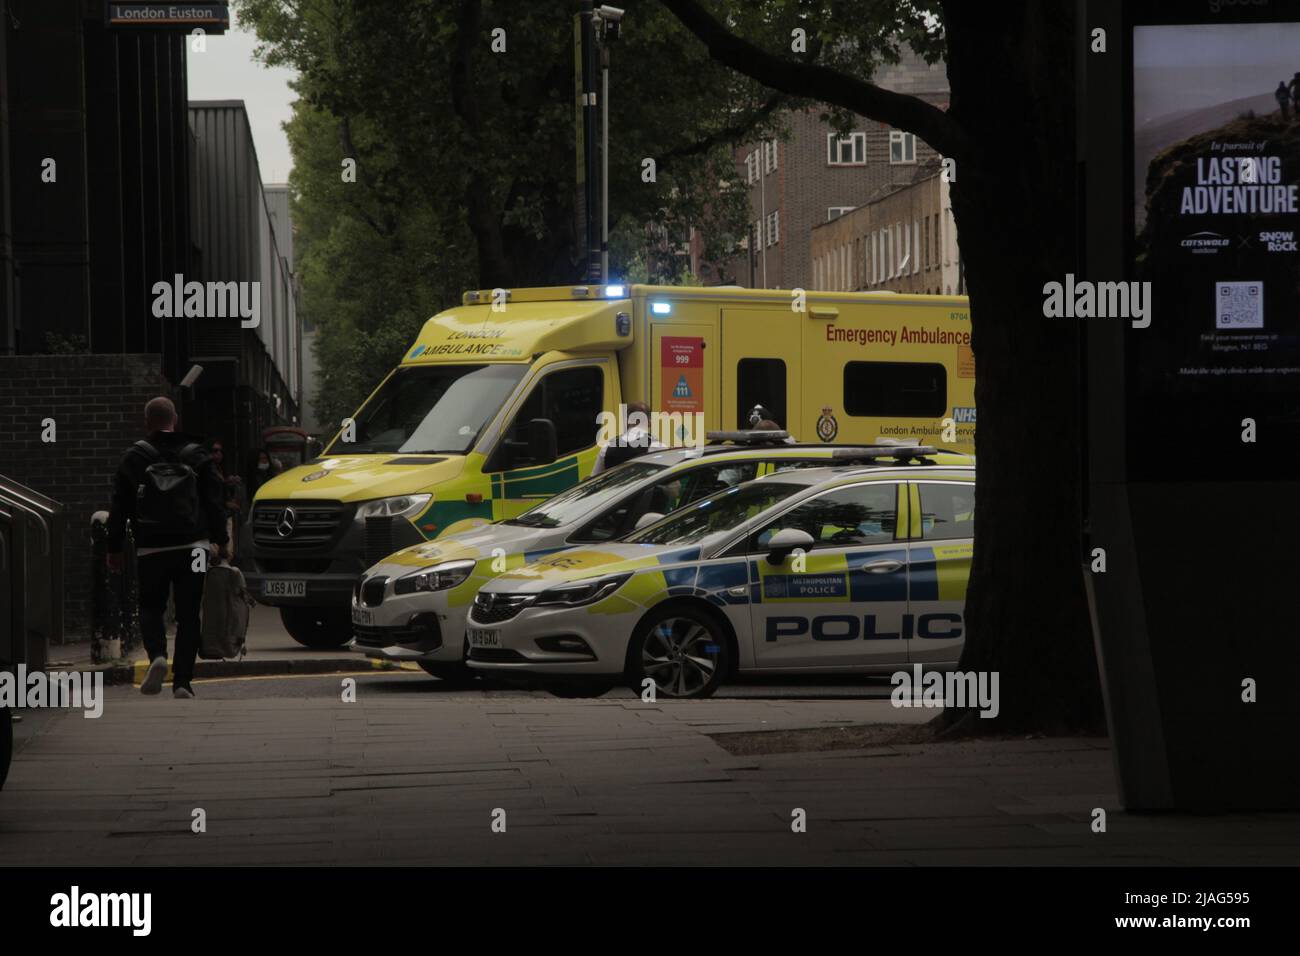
(466, 158)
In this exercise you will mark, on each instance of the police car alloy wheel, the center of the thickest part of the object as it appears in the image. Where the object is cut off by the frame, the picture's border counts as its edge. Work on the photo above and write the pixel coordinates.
(682, 650)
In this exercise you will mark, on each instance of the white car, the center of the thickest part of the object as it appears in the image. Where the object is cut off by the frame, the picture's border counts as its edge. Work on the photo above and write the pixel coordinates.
(814, 571)
(412, 605)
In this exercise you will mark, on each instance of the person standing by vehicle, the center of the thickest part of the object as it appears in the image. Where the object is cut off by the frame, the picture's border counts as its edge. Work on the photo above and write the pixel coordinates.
(232, 491)
(168, 487)
(635, 440)
(260, 470)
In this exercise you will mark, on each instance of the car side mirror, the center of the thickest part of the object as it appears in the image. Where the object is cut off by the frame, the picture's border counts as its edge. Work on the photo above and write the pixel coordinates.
(543, 445)
(784, 542)
(647, 519)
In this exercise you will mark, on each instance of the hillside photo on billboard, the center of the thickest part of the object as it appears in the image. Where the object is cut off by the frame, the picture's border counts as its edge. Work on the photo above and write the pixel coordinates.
(1216, 161)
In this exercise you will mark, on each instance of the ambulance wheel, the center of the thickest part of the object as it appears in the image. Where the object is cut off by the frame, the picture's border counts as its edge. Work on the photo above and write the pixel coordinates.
(318, 627)
(452, 674)
(683, 649)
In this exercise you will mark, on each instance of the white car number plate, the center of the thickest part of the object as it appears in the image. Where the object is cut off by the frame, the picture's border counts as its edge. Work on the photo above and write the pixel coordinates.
(271, 588)
(481, 637)
(363, 617)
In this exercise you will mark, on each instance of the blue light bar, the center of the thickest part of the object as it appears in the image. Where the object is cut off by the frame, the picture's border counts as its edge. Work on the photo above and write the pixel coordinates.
(615, 291)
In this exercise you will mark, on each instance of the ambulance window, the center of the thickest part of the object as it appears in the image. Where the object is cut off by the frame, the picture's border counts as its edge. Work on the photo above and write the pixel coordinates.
(844, 518)
(760, 381)
(888, 389)
(947, 511)
(571, 398)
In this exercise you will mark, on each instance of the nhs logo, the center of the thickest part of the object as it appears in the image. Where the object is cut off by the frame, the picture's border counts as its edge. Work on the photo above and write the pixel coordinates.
(963, 416)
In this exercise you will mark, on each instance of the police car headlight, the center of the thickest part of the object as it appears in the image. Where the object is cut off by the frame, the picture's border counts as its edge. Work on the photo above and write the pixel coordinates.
(403, 506)
(587, 592)
(439, 577)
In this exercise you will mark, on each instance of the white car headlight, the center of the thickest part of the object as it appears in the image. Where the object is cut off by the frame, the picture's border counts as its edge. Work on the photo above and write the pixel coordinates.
(402, 506)
(584, 592)
(438, 577)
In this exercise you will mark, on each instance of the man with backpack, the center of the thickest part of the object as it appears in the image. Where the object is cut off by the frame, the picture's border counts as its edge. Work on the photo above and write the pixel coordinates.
(169, 489)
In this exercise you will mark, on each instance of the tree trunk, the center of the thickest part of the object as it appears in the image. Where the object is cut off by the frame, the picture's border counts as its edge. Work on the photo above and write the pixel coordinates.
(1014, 199)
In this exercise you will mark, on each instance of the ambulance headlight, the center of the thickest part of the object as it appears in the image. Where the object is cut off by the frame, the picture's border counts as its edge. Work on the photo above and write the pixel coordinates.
(439, 577)
(402, 506)
(584, 592)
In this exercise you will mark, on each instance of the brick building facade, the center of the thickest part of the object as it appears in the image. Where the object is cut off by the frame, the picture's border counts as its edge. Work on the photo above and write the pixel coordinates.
(904, 241)
(97, 404)
(812, 175)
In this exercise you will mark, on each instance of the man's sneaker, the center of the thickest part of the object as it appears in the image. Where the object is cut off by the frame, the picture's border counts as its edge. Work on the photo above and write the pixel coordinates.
(182, 693)
(153, 679)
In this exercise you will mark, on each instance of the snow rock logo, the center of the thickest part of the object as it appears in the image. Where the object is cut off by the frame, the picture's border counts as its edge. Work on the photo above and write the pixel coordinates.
(74, 909)
(1098, 300)
(954, 689)
(82, 690)
(209, 300)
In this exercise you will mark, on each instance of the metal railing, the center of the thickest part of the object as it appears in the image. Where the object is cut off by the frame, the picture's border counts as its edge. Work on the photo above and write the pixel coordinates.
(31, 575)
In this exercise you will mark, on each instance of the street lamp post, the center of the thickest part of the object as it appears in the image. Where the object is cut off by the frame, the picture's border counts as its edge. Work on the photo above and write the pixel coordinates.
(606, 21)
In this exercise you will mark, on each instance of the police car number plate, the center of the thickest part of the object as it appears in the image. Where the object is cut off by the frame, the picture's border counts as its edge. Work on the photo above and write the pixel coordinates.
(361, 616)
(482, 637)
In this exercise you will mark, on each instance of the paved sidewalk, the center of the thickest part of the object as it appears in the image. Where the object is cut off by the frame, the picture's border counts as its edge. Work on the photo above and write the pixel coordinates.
(270, 650)
(407, 777)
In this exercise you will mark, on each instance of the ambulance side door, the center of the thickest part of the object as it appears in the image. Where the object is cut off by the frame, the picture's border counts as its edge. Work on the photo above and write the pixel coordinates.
(843, 606)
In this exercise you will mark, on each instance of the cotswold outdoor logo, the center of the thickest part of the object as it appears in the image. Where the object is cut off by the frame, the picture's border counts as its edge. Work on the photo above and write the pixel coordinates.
(75, 909)
(208, 300)
(62, 689)
(1205, 242)
(1098, 300)
(667, 428)
(952, 689)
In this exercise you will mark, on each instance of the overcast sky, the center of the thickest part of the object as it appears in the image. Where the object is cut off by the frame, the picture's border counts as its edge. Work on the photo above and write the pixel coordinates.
(227, 71)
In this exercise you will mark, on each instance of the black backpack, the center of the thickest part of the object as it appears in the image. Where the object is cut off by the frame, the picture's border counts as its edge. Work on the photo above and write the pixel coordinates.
(167, 499)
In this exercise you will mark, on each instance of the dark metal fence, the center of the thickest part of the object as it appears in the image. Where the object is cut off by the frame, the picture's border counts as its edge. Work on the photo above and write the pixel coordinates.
(31, 575)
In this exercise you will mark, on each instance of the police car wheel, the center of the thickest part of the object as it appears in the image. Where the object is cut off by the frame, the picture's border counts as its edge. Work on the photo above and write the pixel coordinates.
(318, 627)
(457, 675)
(575, 690)
(683, 650)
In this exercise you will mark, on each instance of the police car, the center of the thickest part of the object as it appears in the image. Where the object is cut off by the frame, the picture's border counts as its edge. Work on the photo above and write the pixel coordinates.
(412, 605)
(817, 571)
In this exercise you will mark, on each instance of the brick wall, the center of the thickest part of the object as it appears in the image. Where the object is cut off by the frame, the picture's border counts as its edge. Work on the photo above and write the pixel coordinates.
(804, 185)
(97, 403)
(867, 248)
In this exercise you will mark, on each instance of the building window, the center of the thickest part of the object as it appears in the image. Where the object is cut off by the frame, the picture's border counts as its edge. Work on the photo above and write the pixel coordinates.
(848, 150)
(902, 147)
(751, 168)
(760, 381)
(756, 239)
(834, 212)
(773, 228)
(927, 243)
(769, 156)
(916, 247)
(889, 389)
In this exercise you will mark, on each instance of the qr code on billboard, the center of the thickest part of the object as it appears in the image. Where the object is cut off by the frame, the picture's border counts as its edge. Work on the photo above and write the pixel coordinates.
(1239, 305)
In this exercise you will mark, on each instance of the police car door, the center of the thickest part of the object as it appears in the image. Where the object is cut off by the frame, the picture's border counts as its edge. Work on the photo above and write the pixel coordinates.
(943, 517)
(841, 604)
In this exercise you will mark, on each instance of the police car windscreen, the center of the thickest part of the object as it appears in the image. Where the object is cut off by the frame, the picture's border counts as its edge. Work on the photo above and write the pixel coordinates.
(720, 512)
(588, 497)
(424, 409)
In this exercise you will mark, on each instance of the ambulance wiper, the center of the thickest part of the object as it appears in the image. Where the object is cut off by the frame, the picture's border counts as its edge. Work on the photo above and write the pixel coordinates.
(534, 521)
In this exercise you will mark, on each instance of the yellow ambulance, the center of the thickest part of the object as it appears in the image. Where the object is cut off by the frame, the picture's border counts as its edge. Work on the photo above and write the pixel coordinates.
(496, 406)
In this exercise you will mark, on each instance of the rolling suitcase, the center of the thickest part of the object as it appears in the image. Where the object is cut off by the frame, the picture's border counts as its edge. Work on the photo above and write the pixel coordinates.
(226, 605)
